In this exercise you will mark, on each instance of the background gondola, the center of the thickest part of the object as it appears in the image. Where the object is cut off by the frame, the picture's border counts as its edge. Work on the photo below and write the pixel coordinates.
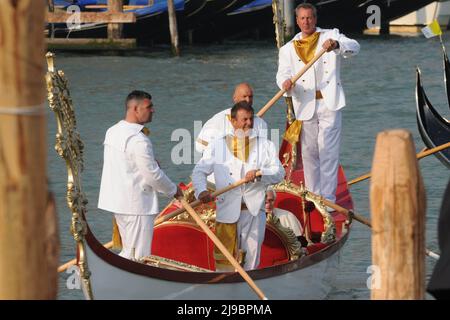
(433, 128)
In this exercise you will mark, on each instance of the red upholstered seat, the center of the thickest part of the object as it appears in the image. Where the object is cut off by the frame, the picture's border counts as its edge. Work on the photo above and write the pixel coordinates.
(187, 243)
(183, 242)
(273, 250)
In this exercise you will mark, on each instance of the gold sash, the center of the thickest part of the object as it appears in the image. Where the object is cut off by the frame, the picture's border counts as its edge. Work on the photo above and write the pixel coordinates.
(239, 147)
(306, 47)
(292, 133)
(227, 234)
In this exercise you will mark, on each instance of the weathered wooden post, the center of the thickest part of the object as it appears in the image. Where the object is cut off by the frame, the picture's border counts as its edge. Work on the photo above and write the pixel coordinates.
(289, 18)
(173, 28)
(115, 30)
(27, 219)
(397, 202)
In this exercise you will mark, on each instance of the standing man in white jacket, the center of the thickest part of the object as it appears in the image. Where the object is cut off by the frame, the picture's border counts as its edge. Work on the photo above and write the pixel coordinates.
(240, 217)
(131, 177)
(317, 96)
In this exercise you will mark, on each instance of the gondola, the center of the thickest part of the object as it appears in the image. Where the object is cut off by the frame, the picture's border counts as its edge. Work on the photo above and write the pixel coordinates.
(152, 21)
(181, 265)
(434, 129)
(257, 16)
(446, 74)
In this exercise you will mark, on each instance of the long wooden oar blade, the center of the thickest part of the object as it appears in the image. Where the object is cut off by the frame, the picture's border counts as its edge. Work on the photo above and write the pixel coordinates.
(293, 80)
(222, 248)
(420, 155)
(72, 262)
(196, 203)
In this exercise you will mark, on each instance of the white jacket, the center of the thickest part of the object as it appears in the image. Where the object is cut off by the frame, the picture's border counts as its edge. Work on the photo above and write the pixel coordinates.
(219, 126)
(227, 169)
(324, 75)
(131, 176)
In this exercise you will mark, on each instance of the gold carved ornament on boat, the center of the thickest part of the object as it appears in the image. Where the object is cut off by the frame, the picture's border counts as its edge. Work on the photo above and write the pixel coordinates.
(70, 147)
(329, 233)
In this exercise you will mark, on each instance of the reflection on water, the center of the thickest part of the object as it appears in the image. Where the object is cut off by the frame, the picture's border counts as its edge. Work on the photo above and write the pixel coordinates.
(379, 85)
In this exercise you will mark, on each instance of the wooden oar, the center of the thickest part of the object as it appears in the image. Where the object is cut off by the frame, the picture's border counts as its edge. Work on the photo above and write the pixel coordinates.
(169, 216)
(72, 262)
(361, 219)
(293, 80)
(222, 248)
(420, 155)
(196, 203)
(348, 213)
(107, 245)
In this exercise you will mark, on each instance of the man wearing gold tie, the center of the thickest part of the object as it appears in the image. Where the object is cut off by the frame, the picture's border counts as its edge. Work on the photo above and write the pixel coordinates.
(317, 96)
(240, 217)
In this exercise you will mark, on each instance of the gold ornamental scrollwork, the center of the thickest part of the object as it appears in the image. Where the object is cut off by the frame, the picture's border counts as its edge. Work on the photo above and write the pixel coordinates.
(287, 236)
(329, 233)
(207, 212)
(70, 147)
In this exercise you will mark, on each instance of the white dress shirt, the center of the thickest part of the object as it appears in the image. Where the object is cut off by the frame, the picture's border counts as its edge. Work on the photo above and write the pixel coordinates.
(131, 176)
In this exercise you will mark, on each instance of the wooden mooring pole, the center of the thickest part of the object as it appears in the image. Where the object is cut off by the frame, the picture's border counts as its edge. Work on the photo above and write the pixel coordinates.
(28, 233)
(289, 18)
(173, 28)
(397, 202)
(115, 30)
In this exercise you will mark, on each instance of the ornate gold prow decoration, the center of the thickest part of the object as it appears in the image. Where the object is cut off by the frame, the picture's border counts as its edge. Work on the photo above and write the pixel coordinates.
(70, 147)
(329, 233)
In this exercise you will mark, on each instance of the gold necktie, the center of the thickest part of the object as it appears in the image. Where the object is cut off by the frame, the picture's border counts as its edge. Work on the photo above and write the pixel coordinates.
(306, 47)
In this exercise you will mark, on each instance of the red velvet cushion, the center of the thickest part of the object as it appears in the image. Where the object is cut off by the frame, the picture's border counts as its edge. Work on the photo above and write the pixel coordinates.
(273, 251)
(186, 243)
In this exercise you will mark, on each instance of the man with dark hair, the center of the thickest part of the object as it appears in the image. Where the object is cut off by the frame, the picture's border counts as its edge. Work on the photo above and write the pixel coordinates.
(220, 124)
(240, 218)
(317, 96)
(131, 177)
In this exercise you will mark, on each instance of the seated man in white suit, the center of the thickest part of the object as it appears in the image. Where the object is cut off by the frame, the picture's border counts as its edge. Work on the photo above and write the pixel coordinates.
(287, 218)
(240, 217)
(220, 124)
(317, 96)
(131, 177)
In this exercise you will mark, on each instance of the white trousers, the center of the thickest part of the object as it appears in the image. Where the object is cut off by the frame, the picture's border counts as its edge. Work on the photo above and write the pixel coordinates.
(136, 233)
(250, 231)
(321, 137)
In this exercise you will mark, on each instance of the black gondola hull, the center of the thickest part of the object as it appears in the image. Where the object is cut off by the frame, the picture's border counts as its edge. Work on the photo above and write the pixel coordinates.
(433, 128)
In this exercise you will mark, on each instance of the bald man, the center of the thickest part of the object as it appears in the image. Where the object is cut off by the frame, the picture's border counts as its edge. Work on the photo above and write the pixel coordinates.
(220, 124)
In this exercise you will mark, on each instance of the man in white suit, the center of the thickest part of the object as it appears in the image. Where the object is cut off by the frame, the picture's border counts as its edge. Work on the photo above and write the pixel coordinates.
(131, 177)
(220, 124)
(240, 217)
(317, 96)
(287, 218)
